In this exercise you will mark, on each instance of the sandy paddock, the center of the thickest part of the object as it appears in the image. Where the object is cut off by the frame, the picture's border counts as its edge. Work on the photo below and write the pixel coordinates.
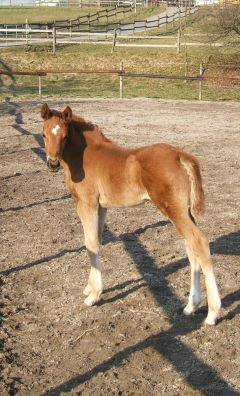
(136, 341)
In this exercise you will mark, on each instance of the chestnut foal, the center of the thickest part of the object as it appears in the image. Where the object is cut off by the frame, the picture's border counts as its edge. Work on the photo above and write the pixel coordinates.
(102, 175)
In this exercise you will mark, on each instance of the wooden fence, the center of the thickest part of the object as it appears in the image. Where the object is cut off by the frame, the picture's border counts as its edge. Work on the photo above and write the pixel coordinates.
(87, 19)
(76, 32)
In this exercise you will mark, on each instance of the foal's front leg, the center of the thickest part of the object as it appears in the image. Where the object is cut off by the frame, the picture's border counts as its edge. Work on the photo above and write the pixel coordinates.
(89, 219)
(101, 220)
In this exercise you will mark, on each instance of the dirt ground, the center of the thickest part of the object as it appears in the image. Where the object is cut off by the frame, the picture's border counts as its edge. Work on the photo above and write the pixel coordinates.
(136, 341)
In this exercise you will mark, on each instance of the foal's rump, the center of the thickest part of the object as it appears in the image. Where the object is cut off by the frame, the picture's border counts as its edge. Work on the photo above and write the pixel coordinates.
(171, 177)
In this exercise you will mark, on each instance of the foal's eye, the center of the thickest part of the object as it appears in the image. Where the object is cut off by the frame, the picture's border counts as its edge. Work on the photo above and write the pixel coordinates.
(44, 136)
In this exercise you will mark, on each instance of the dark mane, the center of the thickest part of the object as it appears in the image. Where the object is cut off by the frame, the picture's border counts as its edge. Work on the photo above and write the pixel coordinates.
(81, 125)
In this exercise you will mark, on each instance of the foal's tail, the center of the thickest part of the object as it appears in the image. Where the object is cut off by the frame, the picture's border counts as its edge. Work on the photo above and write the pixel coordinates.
(192, 168)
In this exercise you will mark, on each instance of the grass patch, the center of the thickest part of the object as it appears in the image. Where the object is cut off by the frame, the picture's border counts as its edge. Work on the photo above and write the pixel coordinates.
(47, 14)
(66, 86)
(104, 86)
(42, 14)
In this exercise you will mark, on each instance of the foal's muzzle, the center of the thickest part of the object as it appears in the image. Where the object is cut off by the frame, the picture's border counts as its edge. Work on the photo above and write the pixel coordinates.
(53, 165)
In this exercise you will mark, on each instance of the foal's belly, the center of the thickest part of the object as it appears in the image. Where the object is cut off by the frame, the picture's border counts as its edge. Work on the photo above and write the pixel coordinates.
(122, 186)
(123, 199)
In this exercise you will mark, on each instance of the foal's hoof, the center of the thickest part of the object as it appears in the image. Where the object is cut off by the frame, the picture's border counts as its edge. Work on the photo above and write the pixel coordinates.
(91, 300)
(211, 319)
(189, 310)
(87, 290)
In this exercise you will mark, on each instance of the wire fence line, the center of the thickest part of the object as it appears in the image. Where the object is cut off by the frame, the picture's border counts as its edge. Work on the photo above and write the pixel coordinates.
(122, 74)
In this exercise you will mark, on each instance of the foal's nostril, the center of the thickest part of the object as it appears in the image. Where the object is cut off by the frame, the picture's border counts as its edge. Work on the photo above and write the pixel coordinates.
(54, 162)
(53, 165)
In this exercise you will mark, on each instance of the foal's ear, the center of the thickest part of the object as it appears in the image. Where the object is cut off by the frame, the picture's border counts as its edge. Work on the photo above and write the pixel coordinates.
(45, 112)
(67, 114)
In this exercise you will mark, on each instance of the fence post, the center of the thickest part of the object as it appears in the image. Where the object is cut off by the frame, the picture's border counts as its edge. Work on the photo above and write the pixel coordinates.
(54, 38)
(70, 28)
(185, 57)
(26, 27)
(119, 28)
(179, 41)
(39, 87)
(114, 39)
(173, 19)
(121, 81)
(200, 82)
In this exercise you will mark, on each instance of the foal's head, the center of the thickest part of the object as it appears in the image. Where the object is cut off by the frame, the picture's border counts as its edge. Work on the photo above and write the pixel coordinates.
(55, 134)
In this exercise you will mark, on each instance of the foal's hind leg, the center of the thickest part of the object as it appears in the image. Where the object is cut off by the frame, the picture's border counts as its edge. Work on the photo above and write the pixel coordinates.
(195, 291)
(199, 255)
(102, 212)
(89, 218)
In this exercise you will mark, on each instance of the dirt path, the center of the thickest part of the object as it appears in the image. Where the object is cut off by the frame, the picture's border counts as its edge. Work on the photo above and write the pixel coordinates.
(136, 341)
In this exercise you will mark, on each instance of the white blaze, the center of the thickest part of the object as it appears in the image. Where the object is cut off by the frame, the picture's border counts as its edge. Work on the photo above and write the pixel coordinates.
(55, 129)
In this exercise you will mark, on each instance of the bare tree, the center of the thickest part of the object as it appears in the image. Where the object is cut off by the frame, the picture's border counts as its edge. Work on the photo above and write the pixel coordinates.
(225, 21)
(228, 20)
(6, 69)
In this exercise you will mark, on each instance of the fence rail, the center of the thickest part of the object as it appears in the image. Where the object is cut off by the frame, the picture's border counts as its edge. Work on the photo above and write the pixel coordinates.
(122, 74)
(26, 36)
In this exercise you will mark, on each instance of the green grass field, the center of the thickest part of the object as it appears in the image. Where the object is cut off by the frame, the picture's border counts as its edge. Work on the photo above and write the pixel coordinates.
(44, 14)
(223, 63)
